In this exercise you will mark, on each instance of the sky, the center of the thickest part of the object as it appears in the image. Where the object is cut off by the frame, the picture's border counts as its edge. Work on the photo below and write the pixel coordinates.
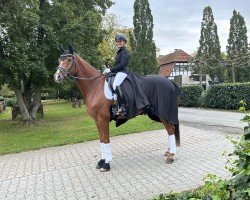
(177, 23)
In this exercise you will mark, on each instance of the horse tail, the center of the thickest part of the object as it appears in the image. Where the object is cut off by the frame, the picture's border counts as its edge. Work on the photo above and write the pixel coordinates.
(177, 126)
(177, 134)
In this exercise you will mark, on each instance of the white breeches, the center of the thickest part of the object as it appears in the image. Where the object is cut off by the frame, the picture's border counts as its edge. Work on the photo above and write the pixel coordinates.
(119, 78)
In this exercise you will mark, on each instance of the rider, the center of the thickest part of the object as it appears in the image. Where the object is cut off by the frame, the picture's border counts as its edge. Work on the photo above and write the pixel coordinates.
(121, 63)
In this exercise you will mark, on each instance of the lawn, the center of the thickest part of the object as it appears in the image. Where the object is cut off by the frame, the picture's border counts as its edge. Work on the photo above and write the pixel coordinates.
(61, 125)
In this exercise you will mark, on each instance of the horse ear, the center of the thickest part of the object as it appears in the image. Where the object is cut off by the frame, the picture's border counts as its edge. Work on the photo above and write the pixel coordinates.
(71, 49)
(61, 48)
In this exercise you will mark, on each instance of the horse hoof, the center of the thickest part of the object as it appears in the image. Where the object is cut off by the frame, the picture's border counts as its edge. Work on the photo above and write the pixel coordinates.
(104, 170)
(100, 164)
(169, 160)
(105, 167)
(166, 153)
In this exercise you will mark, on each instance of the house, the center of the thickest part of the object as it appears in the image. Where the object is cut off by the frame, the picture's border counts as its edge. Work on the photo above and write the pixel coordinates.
(175, 64)
(178, 66)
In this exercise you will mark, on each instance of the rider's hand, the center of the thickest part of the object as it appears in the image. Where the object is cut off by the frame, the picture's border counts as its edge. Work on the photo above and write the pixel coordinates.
(107, 70)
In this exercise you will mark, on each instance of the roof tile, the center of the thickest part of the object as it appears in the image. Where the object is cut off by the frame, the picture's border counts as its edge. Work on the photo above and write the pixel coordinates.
(177, 56)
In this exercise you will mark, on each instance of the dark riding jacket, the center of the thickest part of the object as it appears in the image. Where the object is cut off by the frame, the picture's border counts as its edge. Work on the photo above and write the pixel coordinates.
(121, 60)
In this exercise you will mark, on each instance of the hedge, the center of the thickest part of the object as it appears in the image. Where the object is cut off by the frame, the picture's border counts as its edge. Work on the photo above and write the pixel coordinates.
(190, 96)
(227, 96)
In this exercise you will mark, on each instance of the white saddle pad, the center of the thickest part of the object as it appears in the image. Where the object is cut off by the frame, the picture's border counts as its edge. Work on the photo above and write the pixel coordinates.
(107, 91)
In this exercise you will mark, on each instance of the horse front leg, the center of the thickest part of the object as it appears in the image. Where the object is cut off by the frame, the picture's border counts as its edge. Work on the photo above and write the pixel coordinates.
(102, 160)
(104, 164)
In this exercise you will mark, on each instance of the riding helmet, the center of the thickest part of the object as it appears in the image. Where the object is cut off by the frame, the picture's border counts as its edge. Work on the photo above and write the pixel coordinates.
(120, 37)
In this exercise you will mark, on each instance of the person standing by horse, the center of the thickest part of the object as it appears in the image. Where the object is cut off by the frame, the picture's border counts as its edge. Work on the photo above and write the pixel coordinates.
(120, 70)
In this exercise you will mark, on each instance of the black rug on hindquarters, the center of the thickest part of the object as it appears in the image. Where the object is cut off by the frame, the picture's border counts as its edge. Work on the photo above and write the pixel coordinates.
(157, 96)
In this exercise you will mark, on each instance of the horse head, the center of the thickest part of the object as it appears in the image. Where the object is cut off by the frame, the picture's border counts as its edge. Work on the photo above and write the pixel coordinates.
(67, 65)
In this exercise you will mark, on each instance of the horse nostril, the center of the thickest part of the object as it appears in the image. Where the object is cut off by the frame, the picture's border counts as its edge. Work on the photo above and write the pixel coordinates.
(56, 77)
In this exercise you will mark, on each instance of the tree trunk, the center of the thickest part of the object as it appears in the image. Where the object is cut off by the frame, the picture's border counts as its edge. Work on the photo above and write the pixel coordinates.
(28, 110)
(22, 106)
(233, 73)
(233, 69)
(36, 102)
(201, 74)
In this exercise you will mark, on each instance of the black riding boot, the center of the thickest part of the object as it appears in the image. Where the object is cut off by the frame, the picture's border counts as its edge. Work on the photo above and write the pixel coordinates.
(121, 101)
(115, 108)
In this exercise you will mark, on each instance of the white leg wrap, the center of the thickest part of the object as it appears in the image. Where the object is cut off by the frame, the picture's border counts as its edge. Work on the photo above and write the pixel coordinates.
(172, 144)
(107, 152)
(102, 150)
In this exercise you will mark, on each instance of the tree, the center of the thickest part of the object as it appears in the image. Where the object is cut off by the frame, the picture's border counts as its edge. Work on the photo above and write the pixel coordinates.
(143, 56)
(237, 50)
(208, 56)
(5, 91)
(30, 32)
(22, 50)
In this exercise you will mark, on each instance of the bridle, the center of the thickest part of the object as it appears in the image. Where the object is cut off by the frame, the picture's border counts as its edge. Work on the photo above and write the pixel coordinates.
(67, 72)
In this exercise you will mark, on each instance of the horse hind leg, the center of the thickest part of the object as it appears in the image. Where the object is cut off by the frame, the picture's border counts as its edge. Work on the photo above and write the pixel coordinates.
(173, 140)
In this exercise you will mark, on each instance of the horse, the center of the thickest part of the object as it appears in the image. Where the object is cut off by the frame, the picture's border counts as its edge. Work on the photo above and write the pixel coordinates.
(91, 84)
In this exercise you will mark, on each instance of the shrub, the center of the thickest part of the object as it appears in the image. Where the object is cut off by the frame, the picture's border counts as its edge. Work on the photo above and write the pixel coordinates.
(10, 101)
(202, 99)
(227, 96)
(190, 96)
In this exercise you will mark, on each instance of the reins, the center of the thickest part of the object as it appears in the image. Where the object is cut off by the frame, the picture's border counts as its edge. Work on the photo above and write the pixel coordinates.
(85, 78)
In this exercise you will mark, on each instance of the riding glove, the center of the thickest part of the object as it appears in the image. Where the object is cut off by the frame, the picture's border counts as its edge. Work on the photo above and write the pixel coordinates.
(107, 70)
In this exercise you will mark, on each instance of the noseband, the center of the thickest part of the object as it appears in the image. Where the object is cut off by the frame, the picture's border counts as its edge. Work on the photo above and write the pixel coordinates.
(67, 72)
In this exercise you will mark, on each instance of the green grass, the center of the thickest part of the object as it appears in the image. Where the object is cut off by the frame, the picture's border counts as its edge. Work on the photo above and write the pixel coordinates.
(61, 125)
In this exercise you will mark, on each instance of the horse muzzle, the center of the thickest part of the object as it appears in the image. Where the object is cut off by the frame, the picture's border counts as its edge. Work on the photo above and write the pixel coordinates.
(59, 77)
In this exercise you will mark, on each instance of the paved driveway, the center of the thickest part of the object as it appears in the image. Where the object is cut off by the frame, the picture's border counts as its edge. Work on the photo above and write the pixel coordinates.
(138, 168)
(212, 117)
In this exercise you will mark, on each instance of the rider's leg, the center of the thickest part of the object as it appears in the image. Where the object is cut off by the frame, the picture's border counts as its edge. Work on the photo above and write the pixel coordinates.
(115, 106)
(119, 78)
(121, 100)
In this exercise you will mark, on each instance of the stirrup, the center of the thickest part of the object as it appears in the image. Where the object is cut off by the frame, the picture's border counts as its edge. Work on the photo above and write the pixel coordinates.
(123, 110)
(115, 110)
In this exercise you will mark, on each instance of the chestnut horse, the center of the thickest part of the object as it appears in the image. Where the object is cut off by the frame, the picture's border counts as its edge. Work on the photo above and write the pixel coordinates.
(91, 84)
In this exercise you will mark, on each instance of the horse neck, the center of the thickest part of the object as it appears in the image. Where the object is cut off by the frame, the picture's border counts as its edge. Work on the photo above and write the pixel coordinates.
(85, 70)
